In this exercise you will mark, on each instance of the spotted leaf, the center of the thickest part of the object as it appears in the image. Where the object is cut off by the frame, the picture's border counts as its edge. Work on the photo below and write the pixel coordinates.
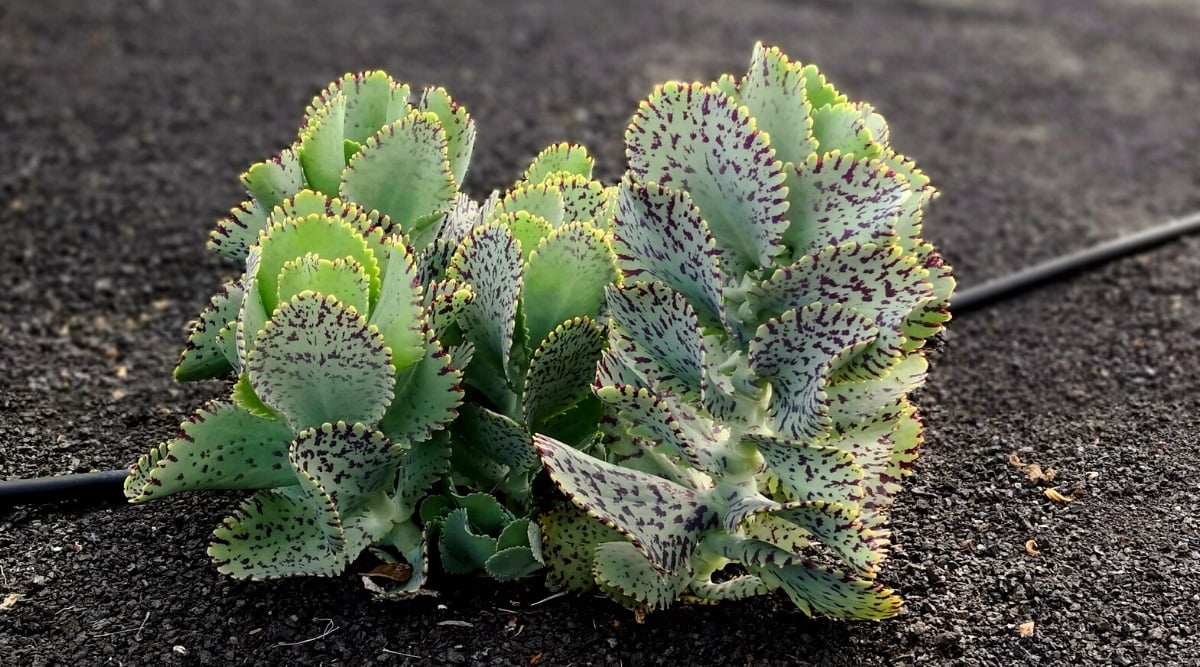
(528, 229)
(658, 235)
(279, 533)
(565, 278)
(317, 361)
(489, 260)
(558, 159)
(773, 91)
(498, 437)
(561, 369)
(695, 138)
(812, 472)
(569, 541)
(853, 401)
(373, 100)
(655, 333)
(458, 125)
(349, 461)
(207, 353)
(274, 180)
(650, 416)
(583, 200)
(817, 589)
(220, 447)
(663, 520)
(236, 232)
(885, 447)
(399, 313)
(427, 396)
(840, 127)
(421, 465)
(445, 300)
(838, 528)
(625, 574)
(796, 354)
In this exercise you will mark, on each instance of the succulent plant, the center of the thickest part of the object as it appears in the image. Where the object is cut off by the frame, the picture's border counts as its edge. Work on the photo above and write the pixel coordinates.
(777, 294)
(710, 360)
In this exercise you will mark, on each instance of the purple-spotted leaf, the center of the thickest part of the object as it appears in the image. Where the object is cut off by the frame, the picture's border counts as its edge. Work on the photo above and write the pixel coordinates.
(399, 312)
(817, 589)
(462, 217)
(663, 520)
(672, 424)
(569, 541)
(329, 237)
(220, 447)
(908, 227)
(583, 200)
(322, 144)
(839, 529)
(812, 472)
(459, 127)
(835, 199)
(444, 301)
(879, 282)
(373, 100)
(737, 588)
(885, 447)
(625, 574)
(207, 353)
(274, 180)
(236, 232)
(778, 532)
(561, 369)
(349, 461)
(343, 278)
(758, 553)
(318, 361)
(840, 127)
(565, 278)
(489, 260)
(796, 354)
(658, 235)
(656, 334)
(421, 464)
(853, 401)
(927, 319)
(403, 172)
(252, 315)
(773, 91)
(427, 396)
(497, 437)
(558, 159)
(876, 123)
(538, 199)
(434, 260)
(695, 138)
(528, 229)
(279, 533)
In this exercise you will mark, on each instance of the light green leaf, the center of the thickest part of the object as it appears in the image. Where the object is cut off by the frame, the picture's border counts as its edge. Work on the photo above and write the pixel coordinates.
(528, 229)
(279, 534)
(561, 370)
(463, 551)
(421, 464)
(342, 278)
(538, 199)
(558, 159)
(816, 589)
(837, 527)
(583, 200)
(497, 437)
(818, 91)
(220, 447)
(625, 574)
(327, 236)
(207, 354)
(489, 260)
(459, 127)
(349, 461)
(569, 540)
(695, 138)
(656, 334)
(274, 180)
(565, 278)
(373, 100)
(773, 91)
(244, 397)
(445, 300)
(853, 401)
(650, 417)
(812, 472)
(317, 361)
(399, 314)
(511, 563)
(403, 173)
(322, 144)
(840, 127)
(427, 397)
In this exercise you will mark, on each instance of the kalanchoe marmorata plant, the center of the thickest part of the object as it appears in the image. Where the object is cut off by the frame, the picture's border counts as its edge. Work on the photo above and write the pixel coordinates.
(777, 294)
(711, 359)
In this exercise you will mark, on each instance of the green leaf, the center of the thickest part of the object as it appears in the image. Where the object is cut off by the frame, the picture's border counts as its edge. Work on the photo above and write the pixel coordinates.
(625, 574)
(317, 361)
(327, 236)
(520, 532)
(817, 91)
(464, 216)
(427, 396)
(445, 300)
(695, 138)
(497, 437)
(878, 282)
(489, 260)
(835, 199)
(837, 527)
(349, 461)
(652, 418)
(342, 278)
(373, 100)
(656, 334)
(322, 144)
(207, 354)
(840, 127)
(528, 229)
(244, 397)
(459, 128)
(279, 534)
(561, 370)
(812, 472)
(512, 563)
(252, 316)
(220, 447)
(236, 232)
(796, 353)
(569, 539)
(927, 319)
(738, 588)
(565, 278)
(853, 401)
(885, 447)
(399, 314)
(463, 551)
(816, 589)
(583, 200)
(773, 91)
(421, 464)
(403, 172)
(558, 159)
(274, 180)
(658, 234)
(537, 199)
(663, 520)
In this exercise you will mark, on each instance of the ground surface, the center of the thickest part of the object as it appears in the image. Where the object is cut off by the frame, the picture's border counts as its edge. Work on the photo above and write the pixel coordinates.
(1046, 125)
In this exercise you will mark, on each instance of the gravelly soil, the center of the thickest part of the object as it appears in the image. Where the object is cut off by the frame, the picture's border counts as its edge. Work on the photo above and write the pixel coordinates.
(1046, 125)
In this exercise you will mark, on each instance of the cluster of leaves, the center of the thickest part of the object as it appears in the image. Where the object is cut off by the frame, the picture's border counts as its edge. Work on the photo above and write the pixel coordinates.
(710, 360)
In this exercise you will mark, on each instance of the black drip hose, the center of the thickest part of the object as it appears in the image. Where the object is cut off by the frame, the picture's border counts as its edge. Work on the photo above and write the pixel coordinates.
(96, 487)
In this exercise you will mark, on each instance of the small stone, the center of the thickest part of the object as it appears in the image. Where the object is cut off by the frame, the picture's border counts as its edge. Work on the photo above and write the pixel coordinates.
(179, 650)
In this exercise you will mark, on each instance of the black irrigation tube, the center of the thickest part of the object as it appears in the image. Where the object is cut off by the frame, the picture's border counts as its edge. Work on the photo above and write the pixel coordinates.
(95, 487)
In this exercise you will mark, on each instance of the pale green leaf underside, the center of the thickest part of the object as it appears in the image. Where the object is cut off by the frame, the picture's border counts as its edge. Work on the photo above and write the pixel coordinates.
(278, 534)
(569, 541)
(208, 354)
(773, 91)
(274, 180)
(349, 461)
(399, 314)
(322, 145)
(561, 369)
(557, 159)
(565, 278)
(489, 260)
(621, 568)
(459, 128)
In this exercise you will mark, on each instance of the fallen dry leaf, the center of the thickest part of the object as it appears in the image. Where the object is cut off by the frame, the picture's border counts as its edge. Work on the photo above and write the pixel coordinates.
(1015, 461)
(1031, 548)
(1025, 629)
(537, 657)
(10, 600)
(398, 572)
(1057, 497)
(1036, 475)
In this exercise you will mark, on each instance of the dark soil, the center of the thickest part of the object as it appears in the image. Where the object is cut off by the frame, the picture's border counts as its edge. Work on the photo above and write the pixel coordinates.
(1047, 126)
